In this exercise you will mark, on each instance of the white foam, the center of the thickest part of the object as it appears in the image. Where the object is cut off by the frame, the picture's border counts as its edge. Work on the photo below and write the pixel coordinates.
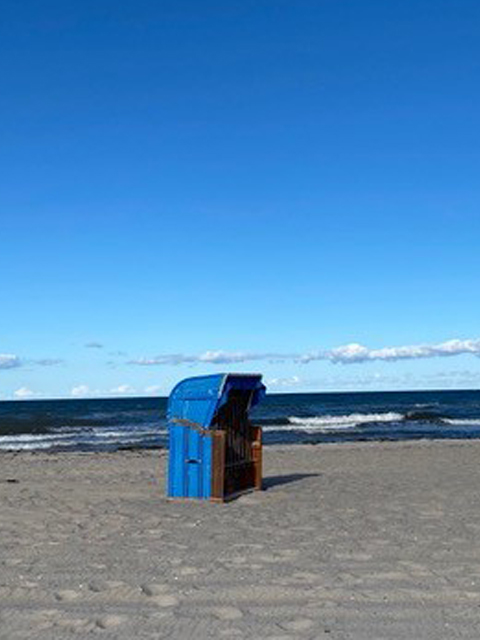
(30, 437)
(30, 441)
(465, 422)
(25, 446)
(97, 436)
(336, 423)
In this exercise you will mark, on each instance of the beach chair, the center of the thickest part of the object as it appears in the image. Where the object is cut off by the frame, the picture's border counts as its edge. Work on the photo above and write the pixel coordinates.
(215, 452)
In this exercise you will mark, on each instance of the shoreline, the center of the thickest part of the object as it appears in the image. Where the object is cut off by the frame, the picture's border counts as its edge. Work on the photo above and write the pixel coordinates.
(163, 449)
(126, 423)
(354, 540)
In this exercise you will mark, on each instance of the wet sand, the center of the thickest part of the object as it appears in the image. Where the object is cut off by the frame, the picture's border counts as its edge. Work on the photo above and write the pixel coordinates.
(361, 541)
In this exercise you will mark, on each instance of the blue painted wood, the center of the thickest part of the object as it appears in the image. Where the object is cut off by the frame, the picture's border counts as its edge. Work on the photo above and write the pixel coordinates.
(192, 406)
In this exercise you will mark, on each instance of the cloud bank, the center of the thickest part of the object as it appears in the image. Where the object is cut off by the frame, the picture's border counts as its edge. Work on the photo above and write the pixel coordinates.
(293, 381)
(347, 354)
(9, 361)
(210, 357)
(354, 353)
(80, 391)
(122, 389)
(23, 393)
(48, 362)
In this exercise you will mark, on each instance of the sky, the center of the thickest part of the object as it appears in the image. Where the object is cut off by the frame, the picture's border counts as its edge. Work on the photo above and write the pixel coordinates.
(285, 187)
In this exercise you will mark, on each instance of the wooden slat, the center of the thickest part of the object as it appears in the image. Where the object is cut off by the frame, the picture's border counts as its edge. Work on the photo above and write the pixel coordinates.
(237, 462)
(218, 465)
(257, 457)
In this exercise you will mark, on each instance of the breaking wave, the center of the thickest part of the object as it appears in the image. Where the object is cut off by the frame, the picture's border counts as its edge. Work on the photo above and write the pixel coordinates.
(337, 423)
(463, 422)
(92, 438)
(112, 424)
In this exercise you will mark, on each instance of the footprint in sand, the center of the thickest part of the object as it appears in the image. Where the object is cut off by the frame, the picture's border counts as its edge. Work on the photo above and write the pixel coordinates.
(12, 562)
(188, 571)
(300, 624)
(66, 595)
(120, 591)
(53, 618)
(227, 613)
(98, 587)
(44, 619)
(157, 593)
(109, 621)
(76, 625)
(288, 553)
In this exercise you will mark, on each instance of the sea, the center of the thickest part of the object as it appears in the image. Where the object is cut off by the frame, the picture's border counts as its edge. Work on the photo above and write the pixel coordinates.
(140, 423)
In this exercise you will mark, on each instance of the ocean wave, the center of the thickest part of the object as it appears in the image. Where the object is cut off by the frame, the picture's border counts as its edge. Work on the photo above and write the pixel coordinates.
(424, 416)
(32, 437)
(121, 433)
(344, 422)
(26, 446)
(460, 422)
(9, 443)
(336, 423)
(65, 439)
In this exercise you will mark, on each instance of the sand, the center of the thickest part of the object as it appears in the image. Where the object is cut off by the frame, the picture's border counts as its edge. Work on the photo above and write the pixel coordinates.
(355, 541)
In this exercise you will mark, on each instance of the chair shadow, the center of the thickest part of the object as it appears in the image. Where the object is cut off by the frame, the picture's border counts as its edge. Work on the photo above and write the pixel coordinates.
(275, 481)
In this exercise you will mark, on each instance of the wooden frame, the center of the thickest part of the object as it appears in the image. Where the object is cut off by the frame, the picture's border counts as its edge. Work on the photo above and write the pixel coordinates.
(232, 480)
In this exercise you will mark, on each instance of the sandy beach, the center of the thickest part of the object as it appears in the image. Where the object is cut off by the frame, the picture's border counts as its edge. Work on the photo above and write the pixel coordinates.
(347, 541)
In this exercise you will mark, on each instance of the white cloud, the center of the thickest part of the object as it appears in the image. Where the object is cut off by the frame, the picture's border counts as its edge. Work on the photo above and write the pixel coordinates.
(345, 354)
(80, 391)
(122, 389)
(293, 381)
(210, 357)
(48, 362)
(9, 361)
(154, 389)
(223, 357)
(94, 345)
(23, 393)
(355, 353)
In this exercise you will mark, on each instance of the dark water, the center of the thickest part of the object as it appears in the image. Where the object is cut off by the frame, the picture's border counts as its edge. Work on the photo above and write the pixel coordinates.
(286, 418)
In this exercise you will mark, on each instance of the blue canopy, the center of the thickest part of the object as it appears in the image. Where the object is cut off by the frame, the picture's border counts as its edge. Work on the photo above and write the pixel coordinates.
(198, 399)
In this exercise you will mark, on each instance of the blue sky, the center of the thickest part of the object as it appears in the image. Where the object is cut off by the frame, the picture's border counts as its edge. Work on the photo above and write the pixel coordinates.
(189, 187)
